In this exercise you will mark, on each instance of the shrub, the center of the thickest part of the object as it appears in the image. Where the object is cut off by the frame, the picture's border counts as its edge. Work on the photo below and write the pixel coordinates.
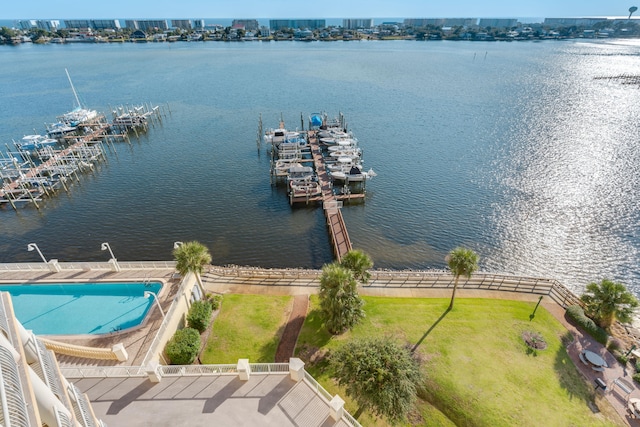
(183, 347)
(614, 344)
(199, 315)
(215, 302)
(576, 313)
(622, 358)
(636, 377)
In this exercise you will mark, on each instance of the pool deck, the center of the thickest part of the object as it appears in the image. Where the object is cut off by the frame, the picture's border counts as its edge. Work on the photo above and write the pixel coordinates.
(137, 340)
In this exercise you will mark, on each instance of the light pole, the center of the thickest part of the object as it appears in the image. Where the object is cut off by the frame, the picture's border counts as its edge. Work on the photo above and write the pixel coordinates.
(148, 294)
(113, 259)
(32, 247)
(176, 245)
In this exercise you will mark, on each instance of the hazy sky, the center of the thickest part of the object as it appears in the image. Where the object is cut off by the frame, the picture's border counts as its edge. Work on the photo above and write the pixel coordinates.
(250, 9)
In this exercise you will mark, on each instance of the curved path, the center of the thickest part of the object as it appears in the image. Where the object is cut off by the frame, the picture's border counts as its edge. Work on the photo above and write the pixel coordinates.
(292, 329)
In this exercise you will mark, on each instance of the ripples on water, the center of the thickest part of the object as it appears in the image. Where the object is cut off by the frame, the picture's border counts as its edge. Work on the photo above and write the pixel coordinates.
(513, 149)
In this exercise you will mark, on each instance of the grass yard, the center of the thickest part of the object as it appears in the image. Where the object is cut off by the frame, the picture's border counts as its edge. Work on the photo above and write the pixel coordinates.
(248, 327)
(479, 370)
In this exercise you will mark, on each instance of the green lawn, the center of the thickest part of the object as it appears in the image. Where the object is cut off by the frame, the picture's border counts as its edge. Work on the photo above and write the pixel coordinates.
(248, 327)
(479, 371)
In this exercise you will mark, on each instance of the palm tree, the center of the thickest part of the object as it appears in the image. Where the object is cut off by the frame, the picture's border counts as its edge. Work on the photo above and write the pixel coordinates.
(339, 300)
(607, 301)
(358, 262)
(461, 262)
(192, 257)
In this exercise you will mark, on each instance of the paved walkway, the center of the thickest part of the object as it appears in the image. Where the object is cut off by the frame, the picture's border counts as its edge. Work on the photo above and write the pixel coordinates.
(292, 329)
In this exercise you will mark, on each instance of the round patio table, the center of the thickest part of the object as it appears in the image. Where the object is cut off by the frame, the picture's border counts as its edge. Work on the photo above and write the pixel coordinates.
(594, 358)
(633, 407)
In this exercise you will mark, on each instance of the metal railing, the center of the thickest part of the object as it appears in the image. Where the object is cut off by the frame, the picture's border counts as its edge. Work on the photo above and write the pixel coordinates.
(124, 265)
(103, 371)
(315, 385)
(197, 370)
(435, 279)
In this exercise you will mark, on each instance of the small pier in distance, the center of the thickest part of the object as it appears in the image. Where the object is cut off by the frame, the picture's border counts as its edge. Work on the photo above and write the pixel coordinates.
(327, 166)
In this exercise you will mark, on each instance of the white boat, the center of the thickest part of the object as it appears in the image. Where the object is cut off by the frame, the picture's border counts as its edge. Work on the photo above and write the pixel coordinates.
(78, 115)
(298, 172)
(353, 173)
(282, 166)
(35, 142)
(304, 188)
(276, 137)
(353, 153)
(60, 129)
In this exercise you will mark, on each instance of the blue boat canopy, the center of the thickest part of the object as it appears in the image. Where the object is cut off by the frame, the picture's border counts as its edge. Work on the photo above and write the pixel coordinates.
(316, 120)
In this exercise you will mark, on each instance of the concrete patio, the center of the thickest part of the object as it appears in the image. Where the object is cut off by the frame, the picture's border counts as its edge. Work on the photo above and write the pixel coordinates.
(263, 400)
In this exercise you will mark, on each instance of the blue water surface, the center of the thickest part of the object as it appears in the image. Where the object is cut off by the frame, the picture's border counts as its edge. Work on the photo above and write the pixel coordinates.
(525, 152)
(80, 308)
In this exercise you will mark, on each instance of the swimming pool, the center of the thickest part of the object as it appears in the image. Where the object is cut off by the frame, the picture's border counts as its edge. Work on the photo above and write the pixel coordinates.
(81, 308)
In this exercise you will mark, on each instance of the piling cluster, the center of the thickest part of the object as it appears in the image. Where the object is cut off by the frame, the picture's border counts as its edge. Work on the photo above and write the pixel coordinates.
(39, 165)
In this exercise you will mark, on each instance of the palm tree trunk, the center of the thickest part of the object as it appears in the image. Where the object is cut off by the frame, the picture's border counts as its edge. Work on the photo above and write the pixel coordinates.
(359, 412)
(453, 295)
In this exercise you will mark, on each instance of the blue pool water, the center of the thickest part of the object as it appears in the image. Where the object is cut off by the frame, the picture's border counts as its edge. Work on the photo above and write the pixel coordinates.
(80, 308)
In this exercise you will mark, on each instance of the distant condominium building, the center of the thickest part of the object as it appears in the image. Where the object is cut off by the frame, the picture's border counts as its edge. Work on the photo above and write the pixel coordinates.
(247, 24)
(147, 24)
(43, 24)
(183, 24)
(441, 22)
(571, 22)
(497, 23)
(198, 24)
(311, 24)
(93, 24)
(354, 24)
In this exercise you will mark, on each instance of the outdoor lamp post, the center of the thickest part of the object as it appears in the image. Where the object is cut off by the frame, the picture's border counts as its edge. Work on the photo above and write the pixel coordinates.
(148, 294)
(113, 259)
(176, 245)
(34, 247)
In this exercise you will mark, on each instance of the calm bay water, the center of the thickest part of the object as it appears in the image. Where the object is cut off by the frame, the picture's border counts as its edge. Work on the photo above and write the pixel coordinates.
(512, 149)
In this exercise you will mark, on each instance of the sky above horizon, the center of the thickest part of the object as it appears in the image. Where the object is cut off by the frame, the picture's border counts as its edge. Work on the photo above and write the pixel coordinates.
(254, 9)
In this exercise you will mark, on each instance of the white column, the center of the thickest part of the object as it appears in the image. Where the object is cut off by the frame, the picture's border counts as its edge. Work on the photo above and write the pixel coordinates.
(153, 371)
(54, 266)
(336, 408)
(120, 352)
(244, 370)
(296, 369)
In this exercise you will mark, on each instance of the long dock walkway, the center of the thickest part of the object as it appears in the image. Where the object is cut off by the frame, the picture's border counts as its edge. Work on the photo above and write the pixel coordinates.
(335, 222)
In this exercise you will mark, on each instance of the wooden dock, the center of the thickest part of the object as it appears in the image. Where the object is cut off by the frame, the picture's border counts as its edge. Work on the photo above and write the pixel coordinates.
(331, 202)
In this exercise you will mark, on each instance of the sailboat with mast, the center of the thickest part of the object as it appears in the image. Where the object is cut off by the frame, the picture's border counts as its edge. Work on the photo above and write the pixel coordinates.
(79, 114)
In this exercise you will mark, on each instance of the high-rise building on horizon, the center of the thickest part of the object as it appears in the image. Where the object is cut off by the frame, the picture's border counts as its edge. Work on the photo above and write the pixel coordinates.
(310, 24)
(354, 24)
